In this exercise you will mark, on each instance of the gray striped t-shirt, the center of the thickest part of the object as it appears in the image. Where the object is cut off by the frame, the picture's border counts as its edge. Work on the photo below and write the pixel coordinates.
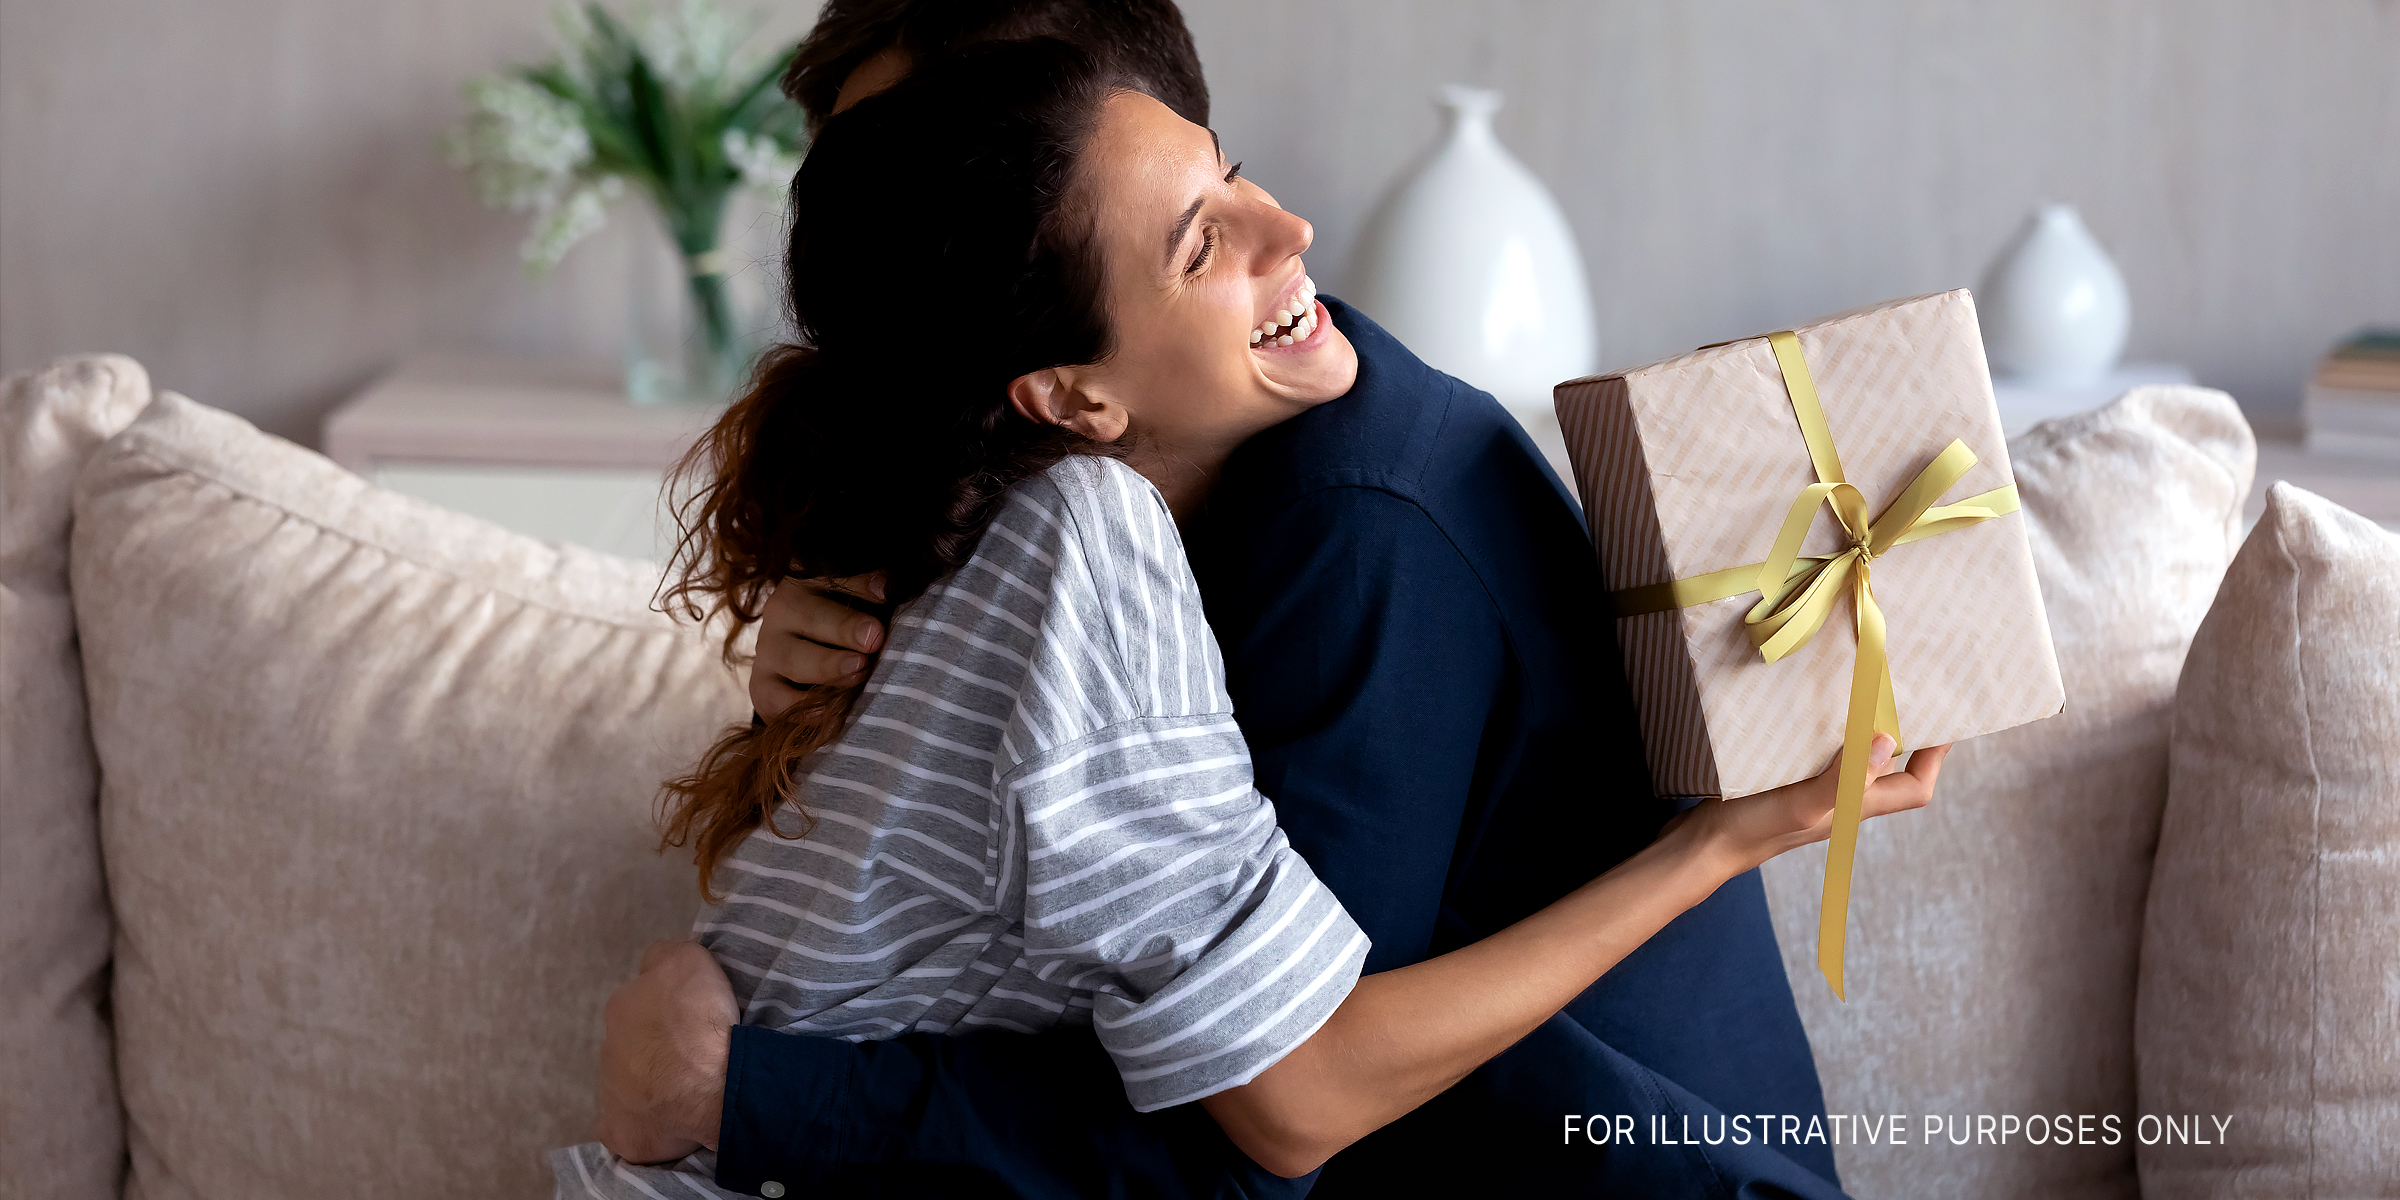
(1041, 814)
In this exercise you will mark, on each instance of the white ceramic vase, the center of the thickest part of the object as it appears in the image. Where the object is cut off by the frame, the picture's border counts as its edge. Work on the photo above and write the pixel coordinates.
(2053, 305)
(1468, 261)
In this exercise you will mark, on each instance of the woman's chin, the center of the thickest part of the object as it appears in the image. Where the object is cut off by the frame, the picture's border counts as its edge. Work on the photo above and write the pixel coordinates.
(1318, 367)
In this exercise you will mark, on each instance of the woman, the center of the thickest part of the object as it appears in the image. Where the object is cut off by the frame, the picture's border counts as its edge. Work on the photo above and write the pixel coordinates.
(1041, 311)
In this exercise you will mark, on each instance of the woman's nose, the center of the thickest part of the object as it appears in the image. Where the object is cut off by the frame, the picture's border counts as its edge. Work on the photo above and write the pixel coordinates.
(1285, 236)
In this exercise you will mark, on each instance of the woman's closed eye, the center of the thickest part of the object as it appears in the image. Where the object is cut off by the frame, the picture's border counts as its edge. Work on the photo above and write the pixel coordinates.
(1208, 250)
(1208, 233)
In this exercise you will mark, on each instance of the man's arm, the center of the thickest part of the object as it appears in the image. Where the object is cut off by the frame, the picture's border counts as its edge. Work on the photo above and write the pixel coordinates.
(1036, 1115)
(993, 1114)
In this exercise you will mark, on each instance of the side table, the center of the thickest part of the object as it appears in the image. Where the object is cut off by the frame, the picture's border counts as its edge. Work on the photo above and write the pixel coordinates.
(551, 450)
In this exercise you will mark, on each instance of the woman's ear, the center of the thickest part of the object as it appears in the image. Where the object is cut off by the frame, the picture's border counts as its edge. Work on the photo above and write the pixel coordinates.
(1052, 396)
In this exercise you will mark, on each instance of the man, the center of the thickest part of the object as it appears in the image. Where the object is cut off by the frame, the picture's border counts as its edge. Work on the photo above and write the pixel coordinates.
(1409, 609)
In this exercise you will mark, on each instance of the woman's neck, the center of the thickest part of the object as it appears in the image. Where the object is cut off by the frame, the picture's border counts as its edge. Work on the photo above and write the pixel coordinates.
(1183, 476)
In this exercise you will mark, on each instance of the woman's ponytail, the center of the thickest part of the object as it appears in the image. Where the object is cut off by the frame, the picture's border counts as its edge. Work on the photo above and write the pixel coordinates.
(934, 257)
(730, 551)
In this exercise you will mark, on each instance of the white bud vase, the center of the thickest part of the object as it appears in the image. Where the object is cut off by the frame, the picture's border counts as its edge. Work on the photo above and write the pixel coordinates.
(1468, 261)
(2053, 305)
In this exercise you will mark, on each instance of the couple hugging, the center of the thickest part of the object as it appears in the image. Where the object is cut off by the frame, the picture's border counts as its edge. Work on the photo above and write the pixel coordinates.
(1245, 795)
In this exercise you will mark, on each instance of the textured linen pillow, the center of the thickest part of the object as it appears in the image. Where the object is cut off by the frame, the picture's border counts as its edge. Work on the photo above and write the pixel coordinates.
(377, 785)
(61, 1133)
(2270, 994)
(1993, 937)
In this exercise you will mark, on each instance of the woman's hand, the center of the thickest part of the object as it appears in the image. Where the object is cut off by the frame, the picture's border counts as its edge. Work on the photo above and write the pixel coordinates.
(1753, 829)
(808, 638)
(1403, 1036)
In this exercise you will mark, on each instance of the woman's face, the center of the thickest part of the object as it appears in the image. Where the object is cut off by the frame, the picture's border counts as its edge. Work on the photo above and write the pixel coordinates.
(1218, 331)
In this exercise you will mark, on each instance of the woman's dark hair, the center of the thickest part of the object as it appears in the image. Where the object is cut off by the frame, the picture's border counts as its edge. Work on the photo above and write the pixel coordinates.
(937, 253)
(1144, 41)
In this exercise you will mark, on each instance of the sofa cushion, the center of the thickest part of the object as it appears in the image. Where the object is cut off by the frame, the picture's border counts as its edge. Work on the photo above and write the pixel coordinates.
(2270, 994)
(61, 1134)
(377, 797)
(1993, 937)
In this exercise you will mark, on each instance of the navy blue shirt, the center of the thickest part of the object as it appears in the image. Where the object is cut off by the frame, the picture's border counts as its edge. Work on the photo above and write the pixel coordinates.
(1420, 657)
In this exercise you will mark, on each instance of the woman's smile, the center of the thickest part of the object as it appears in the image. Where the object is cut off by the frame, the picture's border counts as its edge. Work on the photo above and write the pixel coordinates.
(1294, 322)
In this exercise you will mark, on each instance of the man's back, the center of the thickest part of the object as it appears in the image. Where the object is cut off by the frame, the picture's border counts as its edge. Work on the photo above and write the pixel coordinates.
(1422, 661)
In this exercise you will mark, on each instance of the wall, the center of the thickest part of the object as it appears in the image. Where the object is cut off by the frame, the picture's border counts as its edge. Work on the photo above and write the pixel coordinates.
(246, 195)
(1730, 167)
(249, 196)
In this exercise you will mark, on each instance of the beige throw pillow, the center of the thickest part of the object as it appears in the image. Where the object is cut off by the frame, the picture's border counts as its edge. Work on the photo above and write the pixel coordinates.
(1993, 938)
(2270, 995)
(61, 1134)
(377, 795)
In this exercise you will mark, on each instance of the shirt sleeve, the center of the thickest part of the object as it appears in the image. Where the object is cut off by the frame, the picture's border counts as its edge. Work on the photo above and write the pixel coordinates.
(992, 1114)
(1418, 661)
(1154, 875)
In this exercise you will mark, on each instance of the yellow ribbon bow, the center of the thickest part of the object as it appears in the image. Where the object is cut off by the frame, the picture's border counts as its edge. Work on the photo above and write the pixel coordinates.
(1797, 593)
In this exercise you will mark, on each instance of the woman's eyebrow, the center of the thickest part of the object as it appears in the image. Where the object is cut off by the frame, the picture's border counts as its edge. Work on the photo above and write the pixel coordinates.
(1183, 225)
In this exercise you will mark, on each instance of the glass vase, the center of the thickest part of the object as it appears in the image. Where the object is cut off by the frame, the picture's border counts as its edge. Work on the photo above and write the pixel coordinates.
(698, 318)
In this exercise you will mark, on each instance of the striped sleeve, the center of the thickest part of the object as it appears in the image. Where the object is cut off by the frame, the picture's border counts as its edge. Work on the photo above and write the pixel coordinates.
(1154, 875)
(590, 1170)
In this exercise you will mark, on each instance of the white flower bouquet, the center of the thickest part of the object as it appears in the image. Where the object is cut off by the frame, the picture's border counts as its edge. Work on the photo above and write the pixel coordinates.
(664, 99)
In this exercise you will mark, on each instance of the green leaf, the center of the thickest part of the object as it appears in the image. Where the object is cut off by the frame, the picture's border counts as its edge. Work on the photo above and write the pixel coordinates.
(668, 140)
(752, 102)
(610, 37)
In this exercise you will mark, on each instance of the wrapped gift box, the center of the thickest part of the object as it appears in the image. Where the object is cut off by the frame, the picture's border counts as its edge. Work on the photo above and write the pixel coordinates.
(1690, 466)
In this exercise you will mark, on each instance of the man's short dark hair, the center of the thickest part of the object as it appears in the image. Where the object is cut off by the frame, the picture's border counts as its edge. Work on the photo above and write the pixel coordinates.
(1144, 39)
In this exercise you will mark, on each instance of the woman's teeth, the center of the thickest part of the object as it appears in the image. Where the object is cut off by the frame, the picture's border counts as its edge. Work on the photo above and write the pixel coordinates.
(1291, 323)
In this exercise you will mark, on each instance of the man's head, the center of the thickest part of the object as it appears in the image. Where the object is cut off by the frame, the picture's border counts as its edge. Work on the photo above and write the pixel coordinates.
(1143, 40)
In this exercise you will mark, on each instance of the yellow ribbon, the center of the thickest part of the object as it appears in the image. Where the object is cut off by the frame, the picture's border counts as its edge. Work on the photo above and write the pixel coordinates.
(1797, 593)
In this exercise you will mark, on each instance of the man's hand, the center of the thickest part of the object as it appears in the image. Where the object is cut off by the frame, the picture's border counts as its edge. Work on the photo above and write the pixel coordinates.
(807, 638)
(662, 1064)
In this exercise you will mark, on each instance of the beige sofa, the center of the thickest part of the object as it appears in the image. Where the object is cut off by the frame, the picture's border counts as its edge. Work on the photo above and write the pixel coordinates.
(327, 831)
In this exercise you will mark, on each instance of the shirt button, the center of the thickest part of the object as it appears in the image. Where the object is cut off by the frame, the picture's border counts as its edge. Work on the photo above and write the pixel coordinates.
(771, 1190)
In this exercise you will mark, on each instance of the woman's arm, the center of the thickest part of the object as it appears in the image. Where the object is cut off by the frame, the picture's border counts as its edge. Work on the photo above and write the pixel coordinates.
(1403, 1036)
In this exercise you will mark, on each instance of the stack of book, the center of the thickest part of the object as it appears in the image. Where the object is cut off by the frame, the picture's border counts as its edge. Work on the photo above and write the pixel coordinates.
(2353, 404)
